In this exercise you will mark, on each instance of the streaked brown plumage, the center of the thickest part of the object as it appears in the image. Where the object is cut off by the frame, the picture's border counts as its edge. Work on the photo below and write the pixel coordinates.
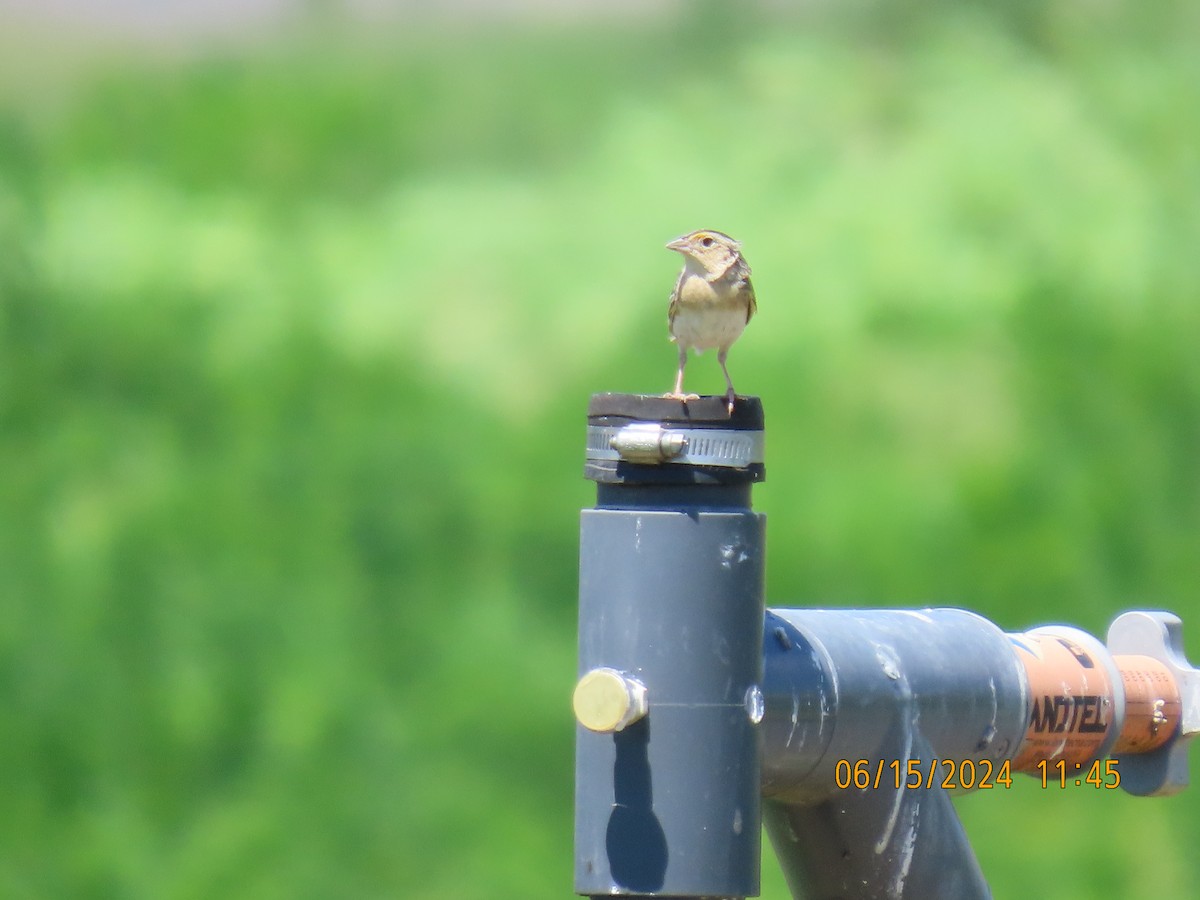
(712, 302)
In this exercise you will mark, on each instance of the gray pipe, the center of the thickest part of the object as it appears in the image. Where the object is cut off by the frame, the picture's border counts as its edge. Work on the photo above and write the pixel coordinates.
(667, 789)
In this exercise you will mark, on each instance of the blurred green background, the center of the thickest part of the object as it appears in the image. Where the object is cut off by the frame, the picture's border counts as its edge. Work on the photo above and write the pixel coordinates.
(298, 325)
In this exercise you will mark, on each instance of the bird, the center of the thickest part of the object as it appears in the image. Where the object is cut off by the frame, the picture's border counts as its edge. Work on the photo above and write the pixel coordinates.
(712, 302)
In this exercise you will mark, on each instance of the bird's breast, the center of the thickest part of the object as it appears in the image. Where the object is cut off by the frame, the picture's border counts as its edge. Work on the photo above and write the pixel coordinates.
(706, 327)
(697, 292)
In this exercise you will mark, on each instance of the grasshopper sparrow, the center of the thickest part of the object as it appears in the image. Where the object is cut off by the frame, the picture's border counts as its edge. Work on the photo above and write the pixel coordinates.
(712, 301)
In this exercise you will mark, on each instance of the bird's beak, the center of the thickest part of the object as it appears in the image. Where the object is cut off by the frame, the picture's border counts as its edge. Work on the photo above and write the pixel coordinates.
(679, 245)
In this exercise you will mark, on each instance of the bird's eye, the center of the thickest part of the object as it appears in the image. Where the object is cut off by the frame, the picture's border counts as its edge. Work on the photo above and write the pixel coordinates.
(707, 241)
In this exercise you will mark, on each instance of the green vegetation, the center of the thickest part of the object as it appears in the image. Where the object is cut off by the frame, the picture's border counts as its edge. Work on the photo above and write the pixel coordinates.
(295, 345)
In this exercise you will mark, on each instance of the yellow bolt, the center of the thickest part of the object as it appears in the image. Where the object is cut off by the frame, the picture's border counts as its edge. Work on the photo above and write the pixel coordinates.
(606, 700)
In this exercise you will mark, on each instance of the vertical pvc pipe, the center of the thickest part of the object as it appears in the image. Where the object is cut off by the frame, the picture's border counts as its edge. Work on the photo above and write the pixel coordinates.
(670, 617)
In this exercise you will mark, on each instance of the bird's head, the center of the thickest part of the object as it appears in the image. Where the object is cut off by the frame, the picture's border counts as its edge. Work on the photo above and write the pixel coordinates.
(709, 252)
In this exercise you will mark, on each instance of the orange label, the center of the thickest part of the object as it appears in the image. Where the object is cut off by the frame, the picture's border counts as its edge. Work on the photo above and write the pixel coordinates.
(1152, 705)
(1071, 701)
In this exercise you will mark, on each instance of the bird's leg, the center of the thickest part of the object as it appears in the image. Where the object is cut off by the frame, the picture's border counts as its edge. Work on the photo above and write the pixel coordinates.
(730, 396)
(678, 393)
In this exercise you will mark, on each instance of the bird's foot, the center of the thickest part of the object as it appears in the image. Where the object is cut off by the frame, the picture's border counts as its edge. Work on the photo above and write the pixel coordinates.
(730, 396)
(677, 395)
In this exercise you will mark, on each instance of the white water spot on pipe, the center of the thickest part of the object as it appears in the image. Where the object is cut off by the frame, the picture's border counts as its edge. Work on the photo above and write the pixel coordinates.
(756, 706)
(897, 797)
(907, 848)
(737, 821)
(822, 710)
(889, 662)
(989, 733)
(728, 554)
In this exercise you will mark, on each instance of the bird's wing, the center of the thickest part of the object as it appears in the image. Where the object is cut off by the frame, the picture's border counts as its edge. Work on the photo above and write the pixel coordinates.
(752, 306)
(673, 307)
